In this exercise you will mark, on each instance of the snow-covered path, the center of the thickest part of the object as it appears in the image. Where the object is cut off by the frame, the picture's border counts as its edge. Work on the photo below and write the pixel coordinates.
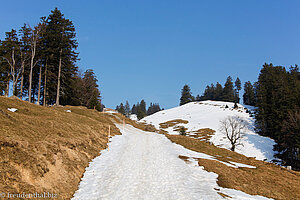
(144, 165)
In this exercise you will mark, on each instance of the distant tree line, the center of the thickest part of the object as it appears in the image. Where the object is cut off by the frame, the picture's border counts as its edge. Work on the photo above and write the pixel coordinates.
(138, 109)
(230, 92)
(276, 96)
(39, 64)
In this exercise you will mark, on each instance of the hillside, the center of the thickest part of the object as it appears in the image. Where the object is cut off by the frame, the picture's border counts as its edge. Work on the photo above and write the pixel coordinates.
(205, 116)
(46, 149)
(233, 170)
(64, 149)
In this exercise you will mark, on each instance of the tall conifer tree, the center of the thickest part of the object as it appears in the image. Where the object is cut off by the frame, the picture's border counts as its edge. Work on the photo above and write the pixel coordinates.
(60, 47)
(186, 95)
(228, 92)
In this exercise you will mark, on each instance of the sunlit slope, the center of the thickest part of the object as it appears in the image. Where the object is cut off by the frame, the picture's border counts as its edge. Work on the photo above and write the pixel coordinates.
(207, 114)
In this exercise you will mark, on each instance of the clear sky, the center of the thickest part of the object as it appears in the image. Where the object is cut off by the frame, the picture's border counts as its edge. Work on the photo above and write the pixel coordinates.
(148, 49)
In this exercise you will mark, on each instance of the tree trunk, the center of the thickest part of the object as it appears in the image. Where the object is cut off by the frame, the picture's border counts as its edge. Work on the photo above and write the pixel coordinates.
(40, 82)
(22, 81)
(14, 88)
(30, 78)
(33, 49)
(7, 89)
(232, 147)
(58, 79)
(13, 68)
(45, 86)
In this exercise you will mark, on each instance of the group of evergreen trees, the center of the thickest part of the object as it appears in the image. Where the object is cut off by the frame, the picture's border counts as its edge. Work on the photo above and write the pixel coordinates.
(230, 92)
(39, 64)
(125, 110)
(277, 98)
(139, 109)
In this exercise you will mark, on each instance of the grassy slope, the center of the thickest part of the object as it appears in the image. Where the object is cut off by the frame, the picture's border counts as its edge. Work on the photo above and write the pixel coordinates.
(46, 149)
(266, 179)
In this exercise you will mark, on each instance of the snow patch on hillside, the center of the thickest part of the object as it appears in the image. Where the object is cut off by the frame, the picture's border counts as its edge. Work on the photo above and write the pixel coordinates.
(133, 117)
(207, 114)
(12, 109)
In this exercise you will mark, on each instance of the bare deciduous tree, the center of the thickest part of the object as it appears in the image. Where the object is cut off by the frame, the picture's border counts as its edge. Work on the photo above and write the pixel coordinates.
(14, 70)
(232, 127)
(35, 34)
(11, 59)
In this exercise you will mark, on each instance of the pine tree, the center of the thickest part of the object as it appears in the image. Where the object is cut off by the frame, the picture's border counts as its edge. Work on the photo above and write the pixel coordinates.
(237, 85)
(127, 109)
(89, 83)
(141, 110)
(186, 95)
(140, 114)
(134, 109)
(289, 146)
(95, 101)
(121, 109)
(209, 93)
(60, 45)
(228, 92)
(248, 96)
(218, 92)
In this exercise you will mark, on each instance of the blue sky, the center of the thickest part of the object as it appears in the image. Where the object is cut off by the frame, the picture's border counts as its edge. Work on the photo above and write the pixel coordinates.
(148, 49)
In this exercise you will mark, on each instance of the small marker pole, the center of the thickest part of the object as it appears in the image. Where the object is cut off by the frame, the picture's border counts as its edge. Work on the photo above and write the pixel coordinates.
(123, 125)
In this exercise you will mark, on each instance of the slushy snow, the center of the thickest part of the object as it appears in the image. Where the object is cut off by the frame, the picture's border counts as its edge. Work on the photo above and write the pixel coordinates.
(207, 114)
(144, 165)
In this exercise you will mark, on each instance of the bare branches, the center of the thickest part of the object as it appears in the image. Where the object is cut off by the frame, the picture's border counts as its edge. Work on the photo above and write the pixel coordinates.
(35, 34)
(233, 127)
(14, 70)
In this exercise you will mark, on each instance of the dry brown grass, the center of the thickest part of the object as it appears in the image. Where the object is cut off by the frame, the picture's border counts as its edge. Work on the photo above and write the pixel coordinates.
(203, 134)
(266, 179)
(161, 131)
(46, 149)
(172, 123)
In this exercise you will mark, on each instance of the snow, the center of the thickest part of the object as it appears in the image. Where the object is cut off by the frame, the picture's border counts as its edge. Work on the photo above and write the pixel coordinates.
(133, 117)
(241, 165)
(207, 114)
(109, 110)
(12, 109)
(68, 111)
(145, 165)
